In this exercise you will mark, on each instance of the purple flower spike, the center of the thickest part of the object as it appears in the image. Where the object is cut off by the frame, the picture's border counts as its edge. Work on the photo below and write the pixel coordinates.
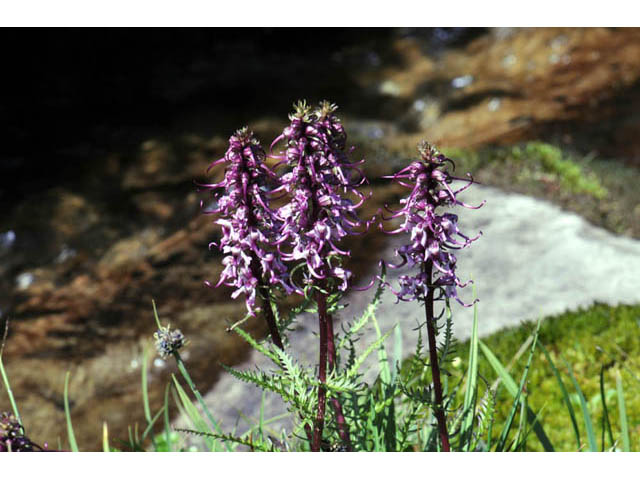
(241, 203)
(432, 235)
(322, 186)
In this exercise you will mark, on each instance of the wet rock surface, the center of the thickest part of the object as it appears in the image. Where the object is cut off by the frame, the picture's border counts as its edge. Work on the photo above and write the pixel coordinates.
(515, 84)
(115, 221)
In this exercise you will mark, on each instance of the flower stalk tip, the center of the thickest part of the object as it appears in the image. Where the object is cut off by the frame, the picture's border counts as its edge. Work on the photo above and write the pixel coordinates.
(433, 236)
(242, 207)
(321, 184)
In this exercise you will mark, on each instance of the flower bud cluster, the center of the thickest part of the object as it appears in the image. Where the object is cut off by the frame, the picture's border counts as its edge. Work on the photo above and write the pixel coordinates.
(318, 193)
(321, 185)
(241, 203)
(432, 235)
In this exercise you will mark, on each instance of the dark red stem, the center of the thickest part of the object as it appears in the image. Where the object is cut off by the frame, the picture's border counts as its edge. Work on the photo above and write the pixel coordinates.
(266, 304)
(262, 288)
(433, 356)
(322, 371)
(271, 319)
(343, 430)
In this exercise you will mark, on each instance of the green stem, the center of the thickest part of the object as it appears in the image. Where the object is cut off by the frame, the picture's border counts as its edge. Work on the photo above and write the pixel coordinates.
(192, 386)
(67, 412)
(12, 400)
(5, 378)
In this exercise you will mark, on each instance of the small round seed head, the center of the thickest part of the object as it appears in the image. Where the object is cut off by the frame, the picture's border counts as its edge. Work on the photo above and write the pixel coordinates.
(168, 341)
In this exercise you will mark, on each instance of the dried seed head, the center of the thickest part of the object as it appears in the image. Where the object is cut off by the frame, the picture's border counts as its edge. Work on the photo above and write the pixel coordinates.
(168, 341)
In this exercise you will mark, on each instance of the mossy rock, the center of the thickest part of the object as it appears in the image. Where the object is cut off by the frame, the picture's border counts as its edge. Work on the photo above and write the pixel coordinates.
(589, 340)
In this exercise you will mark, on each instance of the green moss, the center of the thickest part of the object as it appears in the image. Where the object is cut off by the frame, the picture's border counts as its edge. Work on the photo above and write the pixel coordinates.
(602, 190)
(538, 162)
(588, 340)
(563, 168)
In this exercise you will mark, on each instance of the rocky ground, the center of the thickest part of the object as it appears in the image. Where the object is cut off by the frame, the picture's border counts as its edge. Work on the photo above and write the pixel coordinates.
(81, 260)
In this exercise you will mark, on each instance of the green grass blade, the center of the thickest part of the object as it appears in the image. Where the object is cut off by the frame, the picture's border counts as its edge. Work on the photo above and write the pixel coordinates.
(368, 312)
(192, 412)
(512, 388)
(606, 422)
(105, 438)
(7, 385)
(565, 394)
(137, 436)
(145, 388)
(383, 363)
(72, 437)
(517, 402)
(261, 419)
(358, 363)
(624, 425)
(5, 377)
(196, 393)
(151, 424)
(470, 395)
(185, 374)
(132, 443)
(145, 394)
(505, 377)
(588, 424)
(167, 424)
(520, 440)
(155, 314)
(374, 427)
(397, 352)
(502, 440)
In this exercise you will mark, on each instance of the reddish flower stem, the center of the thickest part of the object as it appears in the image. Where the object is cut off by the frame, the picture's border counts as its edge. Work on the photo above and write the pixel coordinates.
(271, 319)
(322, 371)
(433, 357)
(343, 430)
(263, 290)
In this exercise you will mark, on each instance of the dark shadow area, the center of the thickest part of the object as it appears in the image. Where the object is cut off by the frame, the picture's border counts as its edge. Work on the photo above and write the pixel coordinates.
(72, 92)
